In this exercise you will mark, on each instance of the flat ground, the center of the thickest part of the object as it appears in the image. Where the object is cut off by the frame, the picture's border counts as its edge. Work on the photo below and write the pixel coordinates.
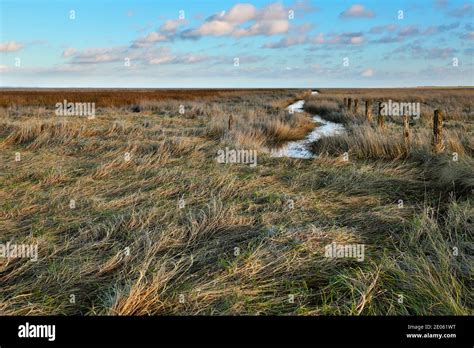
(237, 247)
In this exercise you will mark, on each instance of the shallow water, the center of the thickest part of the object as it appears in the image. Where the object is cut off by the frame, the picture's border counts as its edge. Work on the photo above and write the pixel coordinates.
(299, 148)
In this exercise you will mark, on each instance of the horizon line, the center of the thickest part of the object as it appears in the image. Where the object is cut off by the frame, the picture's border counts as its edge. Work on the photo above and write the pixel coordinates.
(242, 88)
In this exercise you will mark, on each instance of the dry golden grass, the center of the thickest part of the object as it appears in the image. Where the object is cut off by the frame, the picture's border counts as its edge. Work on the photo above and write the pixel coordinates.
(47, 98)
(128, 249)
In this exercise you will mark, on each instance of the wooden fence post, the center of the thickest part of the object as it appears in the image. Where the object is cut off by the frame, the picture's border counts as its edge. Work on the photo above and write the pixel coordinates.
(231, 121)
(380, 118)
(368, 110)
(438, 131)
(406, 128)
(349, 104)
(356, 105)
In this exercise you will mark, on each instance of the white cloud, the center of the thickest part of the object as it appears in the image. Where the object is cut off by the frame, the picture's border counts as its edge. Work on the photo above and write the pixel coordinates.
(149, 39)
(357, 11)
(334, 39)
(164, 55)
(286, 42)
(68, 52)
(170, 26)
(339, 39)
(215, 28)
(383, 28)
(241, 13)
(410, 30)
(319, 39)
(270, 20)
(160, 60)
(356, 40)
(11, 46)
(266, 28)
(99, 55)
(368, 73)
(274, 11)
(192, 58)
(166, 32)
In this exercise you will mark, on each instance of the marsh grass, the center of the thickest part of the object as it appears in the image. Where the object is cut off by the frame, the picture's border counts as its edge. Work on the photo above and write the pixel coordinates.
(128, 249)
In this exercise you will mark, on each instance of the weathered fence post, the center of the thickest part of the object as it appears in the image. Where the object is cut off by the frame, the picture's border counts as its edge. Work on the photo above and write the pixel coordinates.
(231, 121)
(380, 118)
(368, 110)
(406, 128)
(356, 105)
(345, 102)
(349, 104)
(438, 131)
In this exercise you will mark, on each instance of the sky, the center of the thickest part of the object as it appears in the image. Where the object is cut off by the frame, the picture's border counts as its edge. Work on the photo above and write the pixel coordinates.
(222, 43)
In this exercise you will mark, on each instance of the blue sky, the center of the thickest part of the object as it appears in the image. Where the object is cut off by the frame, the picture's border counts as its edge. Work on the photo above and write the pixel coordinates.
(190, 43)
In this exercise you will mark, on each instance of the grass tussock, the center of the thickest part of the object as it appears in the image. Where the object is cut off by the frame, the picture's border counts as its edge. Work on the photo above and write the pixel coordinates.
(431, 275)
(258, 126)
